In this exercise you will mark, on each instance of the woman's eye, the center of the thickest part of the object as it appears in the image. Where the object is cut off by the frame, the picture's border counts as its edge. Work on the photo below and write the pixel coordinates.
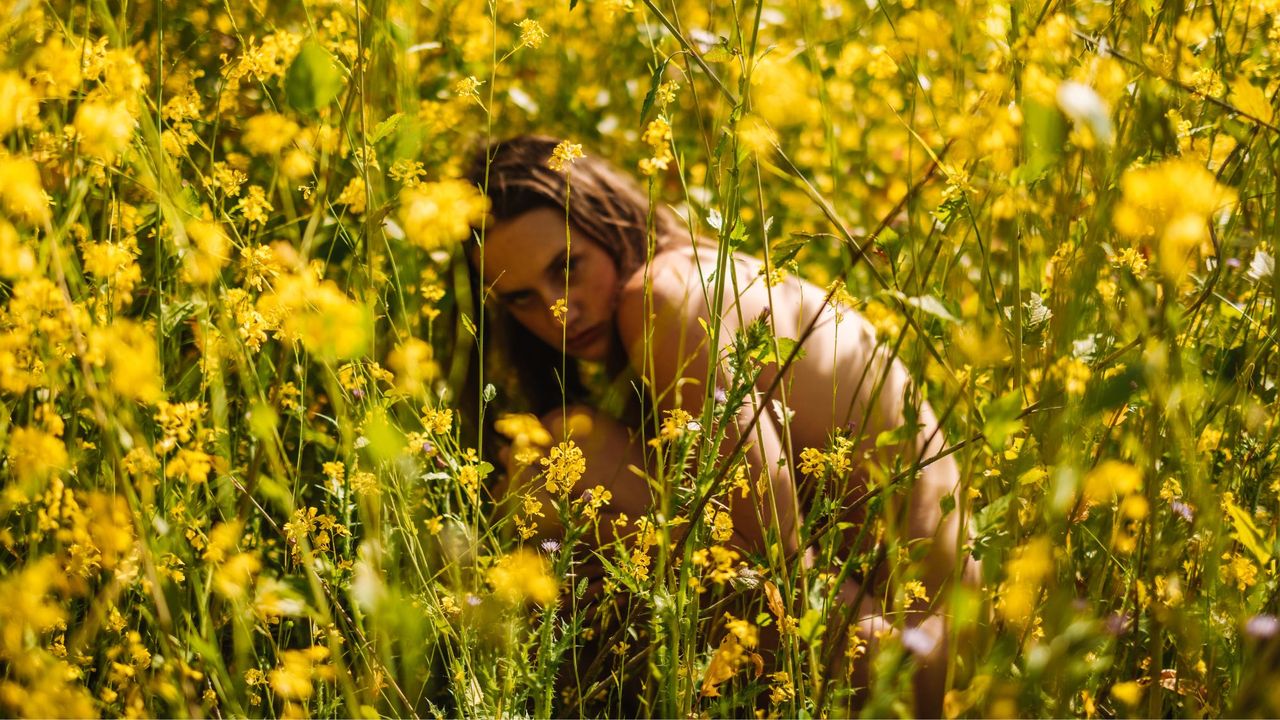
(519, 301)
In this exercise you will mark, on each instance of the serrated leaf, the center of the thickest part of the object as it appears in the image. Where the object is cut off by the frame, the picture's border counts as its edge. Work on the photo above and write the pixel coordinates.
(765, 355)
(1035, 312)
(386, 127)
(313, 79)
(784, 250)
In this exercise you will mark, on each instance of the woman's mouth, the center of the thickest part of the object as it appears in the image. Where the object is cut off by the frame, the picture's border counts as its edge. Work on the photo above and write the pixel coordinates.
(584, 339)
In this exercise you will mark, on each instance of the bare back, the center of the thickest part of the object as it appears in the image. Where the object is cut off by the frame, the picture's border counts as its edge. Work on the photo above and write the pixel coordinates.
(843, 380)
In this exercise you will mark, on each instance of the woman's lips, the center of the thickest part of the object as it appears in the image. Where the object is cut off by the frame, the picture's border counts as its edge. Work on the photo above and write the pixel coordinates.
(585, 338)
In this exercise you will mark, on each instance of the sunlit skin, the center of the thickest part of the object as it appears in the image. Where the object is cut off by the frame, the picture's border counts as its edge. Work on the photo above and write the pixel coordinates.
(843, 380)
(526, 264)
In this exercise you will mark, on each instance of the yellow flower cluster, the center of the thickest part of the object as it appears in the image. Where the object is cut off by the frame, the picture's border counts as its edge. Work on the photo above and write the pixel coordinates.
(1171, 205)
(439, 215)
(563, 467)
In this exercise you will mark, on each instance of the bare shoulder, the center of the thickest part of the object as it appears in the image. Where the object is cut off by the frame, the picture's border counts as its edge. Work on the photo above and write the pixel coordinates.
(669, 282)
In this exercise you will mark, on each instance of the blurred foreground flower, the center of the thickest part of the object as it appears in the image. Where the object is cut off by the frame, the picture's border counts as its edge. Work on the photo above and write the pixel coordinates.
(1171, 204)
(523, 575)
(440, 214)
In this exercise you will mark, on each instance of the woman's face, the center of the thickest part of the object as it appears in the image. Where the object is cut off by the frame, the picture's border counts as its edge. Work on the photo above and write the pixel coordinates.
(524, 268)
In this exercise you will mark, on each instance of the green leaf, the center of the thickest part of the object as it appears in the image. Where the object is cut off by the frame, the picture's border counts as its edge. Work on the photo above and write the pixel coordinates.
(654, 83)
(719, 53)
(1001, 419)
(787, 248)
(931, 305)
(386, 127)
(948, 503)
(811, 625)
(927, 304)
(765, 355)
(314, 79)
(899, 435)
(173, 314)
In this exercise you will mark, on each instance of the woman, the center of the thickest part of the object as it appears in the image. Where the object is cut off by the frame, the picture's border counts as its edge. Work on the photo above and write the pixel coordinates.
(566, 268)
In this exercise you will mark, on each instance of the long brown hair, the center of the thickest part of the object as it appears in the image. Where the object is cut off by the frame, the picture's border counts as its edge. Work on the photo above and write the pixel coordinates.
(603, 205)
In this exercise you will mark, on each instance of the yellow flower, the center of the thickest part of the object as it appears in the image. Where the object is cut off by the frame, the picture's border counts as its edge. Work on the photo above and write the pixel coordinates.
(254, 205)
(523, 575)
(18, 103)
(522, 428)
(782, 690)
(675, 424)
(364, 483)
(34, 454)
(812, 461)
(564, 467)
(468, 87)
(16, 259)
(657, 135)
(564, 155)
(268, 133)
(531, 34)
(210, 252)
(353, 196)
(319, 315)
(414, 364)
(21, 192)
(1129, 692)
(1171, 203)
(1024, 572)
(127, 350)
(437, 421)
(1111, 479)
(104, 129)
(722, 527)
(292, 680)
(441, 214)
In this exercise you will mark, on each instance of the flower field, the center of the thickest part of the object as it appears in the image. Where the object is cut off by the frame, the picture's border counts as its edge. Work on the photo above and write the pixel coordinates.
(255, 436)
